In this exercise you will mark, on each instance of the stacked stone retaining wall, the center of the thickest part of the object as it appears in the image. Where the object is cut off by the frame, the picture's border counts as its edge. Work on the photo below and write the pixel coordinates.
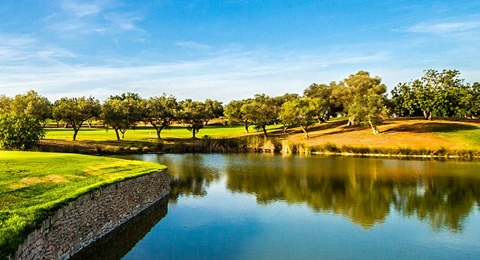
(92, 216)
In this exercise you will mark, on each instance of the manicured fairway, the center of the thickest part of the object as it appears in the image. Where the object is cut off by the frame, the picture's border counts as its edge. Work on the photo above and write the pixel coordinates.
(33, 184)
(145, 133)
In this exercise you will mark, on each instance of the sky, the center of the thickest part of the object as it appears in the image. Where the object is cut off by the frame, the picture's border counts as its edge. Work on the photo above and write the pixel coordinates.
(227, 50)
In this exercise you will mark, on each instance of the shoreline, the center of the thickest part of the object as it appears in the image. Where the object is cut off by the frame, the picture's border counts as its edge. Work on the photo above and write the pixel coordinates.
(243, 145)
(92, 216)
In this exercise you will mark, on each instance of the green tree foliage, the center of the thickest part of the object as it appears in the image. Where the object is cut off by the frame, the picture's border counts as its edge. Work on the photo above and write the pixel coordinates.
(403, 100)
(365, 99)
(19, 131)
(441, 94)
(123, 112)
(330, 96)
(300, 112)
(193, 114)
(235, 113)
(32, 104)
(262, 111)
(161, 111)
(213, 109)
(75, 111)
(5, 104)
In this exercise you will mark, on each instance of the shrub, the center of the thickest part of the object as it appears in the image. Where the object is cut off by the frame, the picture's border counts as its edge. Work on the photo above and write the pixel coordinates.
(20, 132)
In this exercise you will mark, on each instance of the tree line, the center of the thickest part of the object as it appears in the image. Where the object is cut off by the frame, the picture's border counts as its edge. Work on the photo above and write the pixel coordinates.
(360, 97)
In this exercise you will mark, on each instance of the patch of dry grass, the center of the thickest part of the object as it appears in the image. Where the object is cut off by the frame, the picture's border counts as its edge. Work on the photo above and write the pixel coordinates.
(394, 133)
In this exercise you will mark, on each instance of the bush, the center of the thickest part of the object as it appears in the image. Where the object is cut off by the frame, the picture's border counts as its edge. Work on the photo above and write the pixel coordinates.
(20, 132)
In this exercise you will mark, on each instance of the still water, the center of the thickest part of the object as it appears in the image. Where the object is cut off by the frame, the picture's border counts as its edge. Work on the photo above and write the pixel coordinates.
(257, 206)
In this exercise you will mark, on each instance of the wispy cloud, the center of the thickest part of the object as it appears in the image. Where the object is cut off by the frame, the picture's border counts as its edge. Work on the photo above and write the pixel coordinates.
(90, 17)
(192, 45)
(224, 76)
(124, 21)
(81, 9)
(441, 28)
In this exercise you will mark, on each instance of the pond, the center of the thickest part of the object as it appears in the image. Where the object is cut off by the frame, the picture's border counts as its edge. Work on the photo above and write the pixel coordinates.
(261, 206)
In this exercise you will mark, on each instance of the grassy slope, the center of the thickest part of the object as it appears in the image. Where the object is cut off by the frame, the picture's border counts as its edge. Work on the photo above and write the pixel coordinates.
(411, 133)
(33, 184)
(397, 133)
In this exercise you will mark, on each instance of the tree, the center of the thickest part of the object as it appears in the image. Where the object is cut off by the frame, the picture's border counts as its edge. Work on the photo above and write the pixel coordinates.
(5, 104)
(474, 108)
(301, 112)
(75, 111)
(122, 112)
(366, 101)
(213, 109)
(19, 131)
(435, 94)
(193, 114)
(329, 96)
(262, 111)
(234, 112)
(161, 111)
(32, 104)
(403, 100)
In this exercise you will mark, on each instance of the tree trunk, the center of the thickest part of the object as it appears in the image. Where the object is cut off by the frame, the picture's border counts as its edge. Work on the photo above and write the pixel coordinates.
(246, 128)
(351, 120)
(194, 132)
(305, 131)
(264, 128)
(158, 129)
(75, 132)
(118, 136)
(373, 126)
(427, 115)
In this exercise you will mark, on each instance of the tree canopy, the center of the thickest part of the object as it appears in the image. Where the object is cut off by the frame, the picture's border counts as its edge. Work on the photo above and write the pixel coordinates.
(360, 97)
(75, 111)
(123, 112)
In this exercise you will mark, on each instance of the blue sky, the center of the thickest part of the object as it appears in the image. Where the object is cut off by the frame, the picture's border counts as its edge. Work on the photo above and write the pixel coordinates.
(228, 49)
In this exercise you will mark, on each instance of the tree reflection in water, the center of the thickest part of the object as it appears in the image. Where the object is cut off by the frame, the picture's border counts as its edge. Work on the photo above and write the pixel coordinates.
(364, 190)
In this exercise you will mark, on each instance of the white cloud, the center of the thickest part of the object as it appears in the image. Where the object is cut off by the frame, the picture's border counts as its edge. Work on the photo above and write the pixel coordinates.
(192, 45)
(441, 28)
(227, 76)
(81, 9)
(91, 17)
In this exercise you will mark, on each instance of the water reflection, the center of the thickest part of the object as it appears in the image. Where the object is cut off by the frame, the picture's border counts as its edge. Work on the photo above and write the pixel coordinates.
(191, 175)
(362, 190)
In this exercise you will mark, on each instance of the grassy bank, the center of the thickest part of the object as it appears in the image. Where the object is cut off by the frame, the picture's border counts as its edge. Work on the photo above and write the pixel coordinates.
(33, 184)
(399, 137)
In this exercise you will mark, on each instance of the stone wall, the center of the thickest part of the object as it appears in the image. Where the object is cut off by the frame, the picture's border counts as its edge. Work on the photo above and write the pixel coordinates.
(92, 216)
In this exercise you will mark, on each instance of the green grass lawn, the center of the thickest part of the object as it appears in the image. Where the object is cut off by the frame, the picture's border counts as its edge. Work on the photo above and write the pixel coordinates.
(146, 133)
(34, 184)
(468, 135)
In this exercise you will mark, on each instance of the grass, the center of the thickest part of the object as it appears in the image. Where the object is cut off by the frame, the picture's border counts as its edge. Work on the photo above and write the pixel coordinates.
(468, 136)
(148, 133)
(33, 185)
(406, 133)
(407, 136)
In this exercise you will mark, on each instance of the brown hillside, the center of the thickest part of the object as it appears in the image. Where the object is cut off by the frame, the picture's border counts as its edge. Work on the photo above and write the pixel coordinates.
(394, 133)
